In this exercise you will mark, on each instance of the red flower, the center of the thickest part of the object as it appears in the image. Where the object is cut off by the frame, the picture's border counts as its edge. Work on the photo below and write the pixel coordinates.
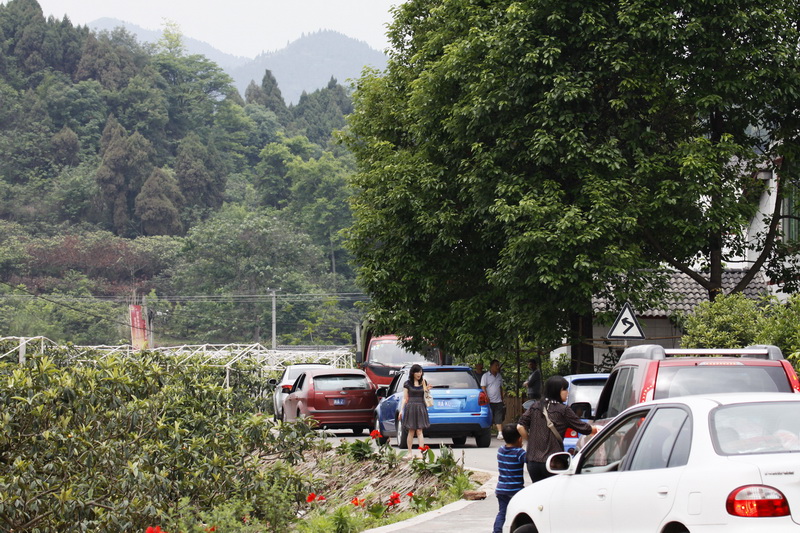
(156, 529)
(410, 494)
(375, 434)
(311, 497)
(212, 528)
(424, 449)
(358, 503)
(245, 518)
(321, 498)
(394, 499)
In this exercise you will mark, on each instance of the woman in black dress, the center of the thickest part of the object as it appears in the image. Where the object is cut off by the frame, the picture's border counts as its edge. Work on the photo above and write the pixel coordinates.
(413, 411)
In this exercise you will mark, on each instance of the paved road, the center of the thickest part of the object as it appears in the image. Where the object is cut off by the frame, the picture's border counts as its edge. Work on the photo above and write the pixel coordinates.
(461, 516)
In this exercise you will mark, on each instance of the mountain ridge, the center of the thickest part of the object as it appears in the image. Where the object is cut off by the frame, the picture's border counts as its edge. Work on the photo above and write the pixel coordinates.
(303, 65)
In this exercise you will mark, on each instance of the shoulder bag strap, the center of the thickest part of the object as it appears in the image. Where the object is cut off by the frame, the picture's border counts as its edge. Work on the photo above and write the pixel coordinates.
(550, 424)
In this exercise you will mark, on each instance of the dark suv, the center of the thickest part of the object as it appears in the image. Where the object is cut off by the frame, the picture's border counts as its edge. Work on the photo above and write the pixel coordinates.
(650, 371)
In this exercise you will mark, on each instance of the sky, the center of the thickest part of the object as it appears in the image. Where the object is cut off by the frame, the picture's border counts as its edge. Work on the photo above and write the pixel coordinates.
(239, 27)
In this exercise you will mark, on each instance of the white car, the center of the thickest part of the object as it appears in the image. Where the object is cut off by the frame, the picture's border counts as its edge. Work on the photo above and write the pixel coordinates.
(284, 385)
(726, 462)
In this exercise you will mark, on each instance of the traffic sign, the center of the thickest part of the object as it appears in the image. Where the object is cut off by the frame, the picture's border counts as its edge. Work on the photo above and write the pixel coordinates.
(626, 326)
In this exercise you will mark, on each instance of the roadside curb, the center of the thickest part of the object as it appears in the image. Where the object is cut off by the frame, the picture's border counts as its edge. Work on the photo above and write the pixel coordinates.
(458, 505)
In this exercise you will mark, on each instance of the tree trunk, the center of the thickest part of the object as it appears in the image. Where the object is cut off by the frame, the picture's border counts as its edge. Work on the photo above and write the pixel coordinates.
(582, 352)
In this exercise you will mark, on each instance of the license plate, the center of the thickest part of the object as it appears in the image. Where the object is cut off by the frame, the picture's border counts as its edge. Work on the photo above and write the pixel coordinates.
(338, 401)
(446, 404)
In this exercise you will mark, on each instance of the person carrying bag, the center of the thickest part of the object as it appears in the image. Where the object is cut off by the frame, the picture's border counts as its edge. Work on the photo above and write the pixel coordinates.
(543, 426)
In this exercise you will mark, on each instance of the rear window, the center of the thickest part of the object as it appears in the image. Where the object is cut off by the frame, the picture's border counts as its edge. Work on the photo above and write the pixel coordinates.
(766, 427)
(454, 379)
(586, 390)
(342, 382)
(686, 380)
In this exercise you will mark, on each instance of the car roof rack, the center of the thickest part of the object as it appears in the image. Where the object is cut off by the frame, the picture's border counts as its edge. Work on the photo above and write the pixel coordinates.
(656, 352)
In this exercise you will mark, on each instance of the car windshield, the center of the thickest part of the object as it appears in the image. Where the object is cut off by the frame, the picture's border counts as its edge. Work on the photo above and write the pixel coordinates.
(455, 379)
(676, 381)
(389, 352)
(586, 390)
(340, 382)
(767, 427)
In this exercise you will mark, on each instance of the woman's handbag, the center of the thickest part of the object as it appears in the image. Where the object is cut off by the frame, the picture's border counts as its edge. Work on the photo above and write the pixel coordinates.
(428, 397)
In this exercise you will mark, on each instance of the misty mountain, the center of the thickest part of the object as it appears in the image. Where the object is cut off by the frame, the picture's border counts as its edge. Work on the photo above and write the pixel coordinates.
(306, 64)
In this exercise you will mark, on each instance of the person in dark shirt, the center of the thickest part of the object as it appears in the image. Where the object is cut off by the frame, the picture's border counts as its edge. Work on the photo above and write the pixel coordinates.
(510, 465)
(542, 440)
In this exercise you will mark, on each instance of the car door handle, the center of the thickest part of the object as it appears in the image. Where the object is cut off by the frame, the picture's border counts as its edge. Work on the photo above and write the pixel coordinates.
(601, 494)
(662, 491)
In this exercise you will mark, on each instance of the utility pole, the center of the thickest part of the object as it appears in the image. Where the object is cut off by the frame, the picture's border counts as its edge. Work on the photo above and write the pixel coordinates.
(274, 321)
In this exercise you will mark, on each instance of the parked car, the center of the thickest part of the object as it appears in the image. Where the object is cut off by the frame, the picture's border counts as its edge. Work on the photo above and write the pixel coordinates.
(284, 385)
(584, 393)
(723, 462)
(649, 372)
(460, 408)
(335, 398)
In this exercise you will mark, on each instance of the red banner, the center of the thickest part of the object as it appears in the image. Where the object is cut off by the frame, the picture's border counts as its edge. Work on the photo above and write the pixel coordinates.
(138, 328)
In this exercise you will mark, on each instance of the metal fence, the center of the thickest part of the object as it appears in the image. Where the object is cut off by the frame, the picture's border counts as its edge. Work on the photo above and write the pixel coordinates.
(220, 355)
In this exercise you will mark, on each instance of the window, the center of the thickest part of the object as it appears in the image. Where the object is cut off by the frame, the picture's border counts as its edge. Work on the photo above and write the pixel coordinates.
(767, 427)
(340, 383)
(790, 223)
(451, 380)
(664, 441)
(607, 454)
(707, 379)
(623, 389)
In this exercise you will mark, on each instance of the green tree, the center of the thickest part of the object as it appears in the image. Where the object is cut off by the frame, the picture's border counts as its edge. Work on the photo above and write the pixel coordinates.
(126, 163)
(518, 159)
(240, 252)
(158, 204)
(732, 321)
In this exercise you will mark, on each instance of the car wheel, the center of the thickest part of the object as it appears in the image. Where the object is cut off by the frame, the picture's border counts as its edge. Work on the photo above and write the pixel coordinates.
(483, 439)
(459, 441)
(381, 440)
(357, 431)
(401, 437)
(527, 528)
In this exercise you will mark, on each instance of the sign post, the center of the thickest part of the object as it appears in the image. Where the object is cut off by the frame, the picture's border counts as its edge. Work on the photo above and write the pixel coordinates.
(626, 326)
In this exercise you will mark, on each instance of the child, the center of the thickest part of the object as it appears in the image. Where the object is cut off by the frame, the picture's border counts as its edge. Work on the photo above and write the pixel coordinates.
(510, 465)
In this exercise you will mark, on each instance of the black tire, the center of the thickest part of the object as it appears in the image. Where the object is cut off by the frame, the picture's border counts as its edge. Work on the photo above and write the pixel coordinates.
(381, 440)
(527, 528)
(459, 441)
(357, 431)
(483, 439)
(401, 439)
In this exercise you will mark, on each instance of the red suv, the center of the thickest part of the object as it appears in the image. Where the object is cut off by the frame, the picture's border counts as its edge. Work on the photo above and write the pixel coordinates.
(650, 371)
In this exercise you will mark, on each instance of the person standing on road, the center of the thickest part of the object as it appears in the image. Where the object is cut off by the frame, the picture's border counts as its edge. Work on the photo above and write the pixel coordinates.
(543, 438)
(479, 372)
(534, 381)
(413, 411)
(510, 466)
(492, 385)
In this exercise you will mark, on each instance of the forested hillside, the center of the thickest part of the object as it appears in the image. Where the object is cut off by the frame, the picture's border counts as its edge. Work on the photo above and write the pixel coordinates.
(129, 170)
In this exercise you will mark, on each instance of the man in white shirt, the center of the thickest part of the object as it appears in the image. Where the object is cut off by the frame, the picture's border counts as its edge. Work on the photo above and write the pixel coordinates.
(492, 385)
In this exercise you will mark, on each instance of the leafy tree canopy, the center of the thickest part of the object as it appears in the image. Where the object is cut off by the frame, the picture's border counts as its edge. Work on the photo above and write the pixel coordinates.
(518, 158)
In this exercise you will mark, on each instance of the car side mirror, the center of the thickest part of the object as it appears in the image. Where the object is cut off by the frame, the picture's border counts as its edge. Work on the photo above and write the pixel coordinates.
(582, 409)
(382, 392)
(559, 462)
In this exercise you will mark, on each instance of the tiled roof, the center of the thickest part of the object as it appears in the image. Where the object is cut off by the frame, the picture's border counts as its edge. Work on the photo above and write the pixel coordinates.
(685, 293)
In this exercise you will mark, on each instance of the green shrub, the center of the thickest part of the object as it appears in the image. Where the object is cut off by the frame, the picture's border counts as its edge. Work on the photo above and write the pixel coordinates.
(124, 443)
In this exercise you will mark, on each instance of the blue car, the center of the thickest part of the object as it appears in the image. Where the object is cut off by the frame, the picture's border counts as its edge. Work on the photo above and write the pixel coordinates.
(460, 408)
